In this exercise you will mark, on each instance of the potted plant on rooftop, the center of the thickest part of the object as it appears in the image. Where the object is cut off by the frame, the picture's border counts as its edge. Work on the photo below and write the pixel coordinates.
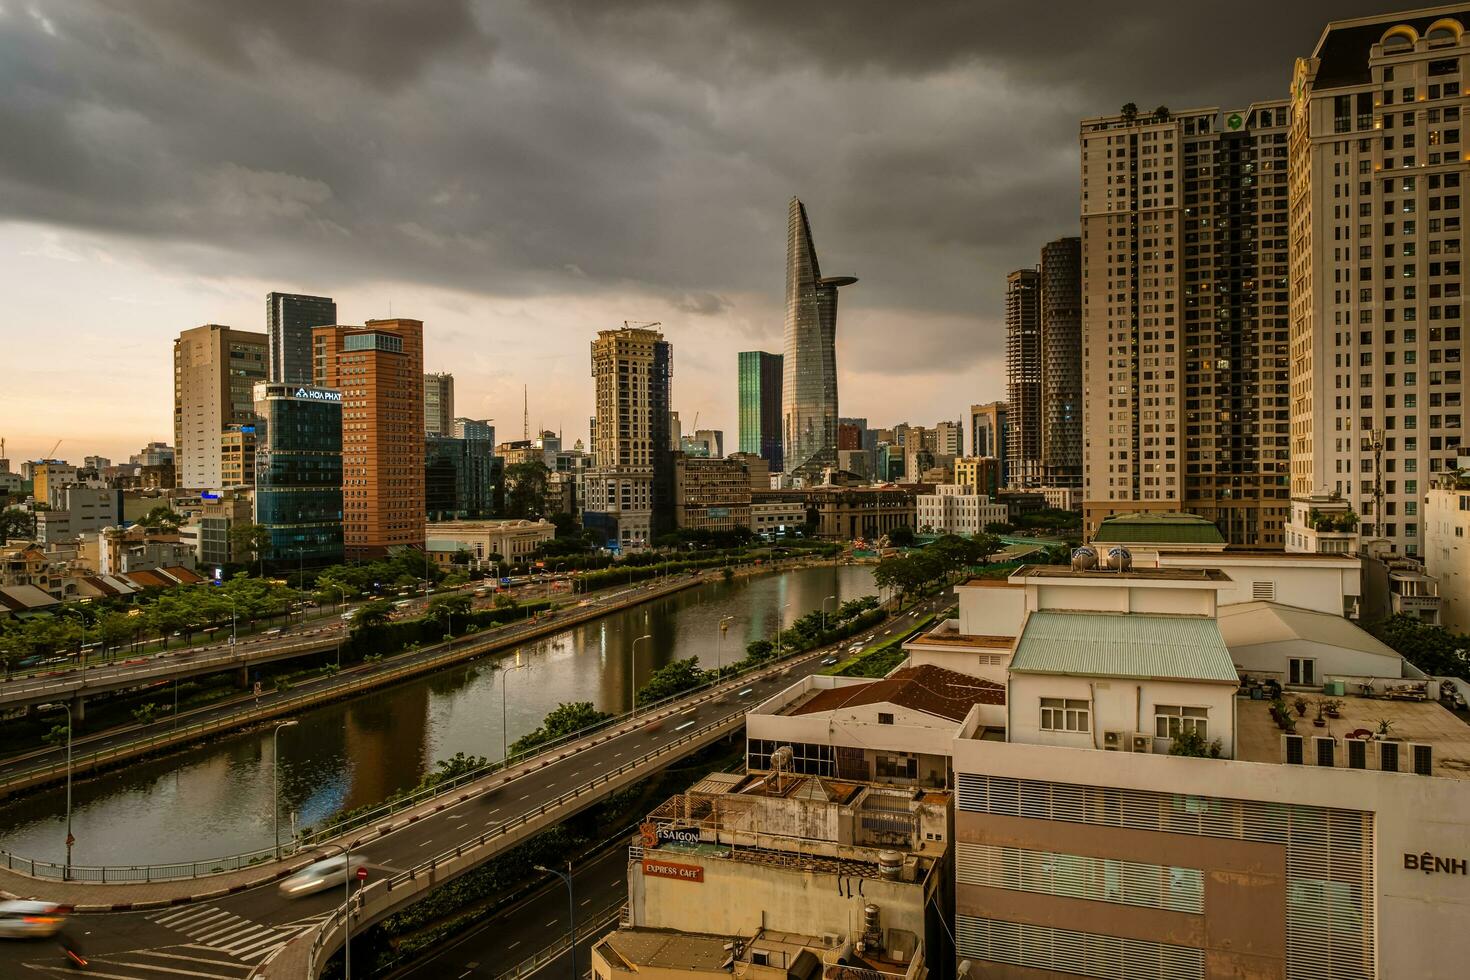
(1301, 706)
(1320, 721)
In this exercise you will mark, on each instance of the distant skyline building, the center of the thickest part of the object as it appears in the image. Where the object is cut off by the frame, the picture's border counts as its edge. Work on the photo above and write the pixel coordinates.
(988, 431)
(760, 380)
(379, 369)
(439, 405)
(1023, 377)
(714, 441)
(475, 430)
(290, 318)
(630, 485)
(215, 370)
(298, 472)
(809, 383)
(1061, 363)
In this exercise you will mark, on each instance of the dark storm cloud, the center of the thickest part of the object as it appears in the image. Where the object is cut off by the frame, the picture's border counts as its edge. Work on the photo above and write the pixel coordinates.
(618, 145)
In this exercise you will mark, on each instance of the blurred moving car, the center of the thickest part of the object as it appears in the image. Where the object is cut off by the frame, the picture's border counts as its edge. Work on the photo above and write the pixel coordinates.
(31, 920)
(320, 875)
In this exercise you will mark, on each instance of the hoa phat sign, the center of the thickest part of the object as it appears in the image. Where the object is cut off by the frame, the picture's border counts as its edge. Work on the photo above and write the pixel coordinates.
(318, 394)
(668, 869)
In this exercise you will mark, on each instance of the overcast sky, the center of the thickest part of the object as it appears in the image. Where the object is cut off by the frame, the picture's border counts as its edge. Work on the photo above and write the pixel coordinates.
(521, 175)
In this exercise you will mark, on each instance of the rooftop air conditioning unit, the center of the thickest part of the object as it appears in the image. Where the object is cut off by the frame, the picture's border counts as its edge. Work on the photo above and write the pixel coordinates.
(1113, 742)
(1324, 750)
(1388, 756)
(1292, 750)
(1421, 759)
(1142, 742)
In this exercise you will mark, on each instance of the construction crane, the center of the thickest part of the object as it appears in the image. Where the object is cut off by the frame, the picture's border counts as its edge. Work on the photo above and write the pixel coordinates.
(640, 324)
(52, 453)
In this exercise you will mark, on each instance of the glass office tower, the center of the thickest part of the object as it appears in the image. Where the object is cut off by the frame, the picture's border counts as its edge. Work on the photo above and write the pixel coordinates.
(760, 405)
(289, 318)
(809, 383)
(298, 472)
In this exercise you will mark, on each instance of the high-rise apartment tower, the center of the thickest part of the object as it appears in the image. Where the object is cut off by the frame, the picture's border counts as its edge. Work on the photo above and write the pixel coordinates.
(630, 490)
(379, 369)
(1377, 170)
(1061, 363)
(215, 370)
(809, 385)
(1184, 317)
(1023, 377)
(289, 320)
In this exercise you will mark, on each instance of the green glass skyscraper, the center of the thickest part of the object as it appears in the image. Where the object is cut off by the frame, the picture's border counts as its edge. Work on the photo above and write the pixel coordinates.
(760, 405)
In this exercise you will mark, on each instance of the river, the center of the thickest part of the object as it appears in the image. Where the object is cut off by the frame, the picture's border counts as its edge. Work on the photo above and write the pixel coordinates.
(215, 799)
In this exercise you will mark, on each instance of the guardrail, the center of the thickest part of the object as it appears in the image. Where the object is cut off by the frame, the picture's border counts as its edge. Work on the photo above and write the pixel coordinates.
(466, 645)
(111, 874)
(596, 922)
(452, 860)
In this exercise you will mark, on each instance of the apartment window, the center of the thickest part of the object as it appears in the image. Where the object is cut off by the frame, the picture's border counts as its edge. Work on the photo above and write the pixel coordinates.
(1302, 670)
(1171, 720)
(1065, 715)
(885, 718)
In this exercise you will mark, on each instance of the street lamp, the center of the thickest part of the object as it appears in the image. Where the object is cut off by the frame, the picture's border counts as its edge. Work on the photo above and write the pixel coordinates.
(824, 611)
(346, 904)
(81, 643)
(780, 619)
(233, 636)
(504, 682)
(720, 644)
(66, 871)
(633, 673)
(572, 911)
(276, 781)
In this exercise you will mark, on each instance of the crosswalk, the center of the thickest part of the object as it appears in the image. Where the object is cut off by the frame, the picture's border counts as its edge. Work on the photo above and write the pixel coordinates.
(168, 963)
(214, 928)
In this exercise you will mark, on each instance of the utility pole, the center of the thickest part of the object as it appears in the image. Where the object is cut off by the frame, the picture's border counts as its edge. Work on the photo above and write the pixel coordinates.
(526, 412)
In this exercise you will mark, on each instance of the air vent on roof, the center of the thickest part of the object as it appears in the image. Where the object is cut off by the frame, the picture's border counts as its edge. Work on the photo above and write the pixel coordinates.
(1263, 591)
(1388, 756)
(1423, 759)
(1291, 750)
(1324, 750)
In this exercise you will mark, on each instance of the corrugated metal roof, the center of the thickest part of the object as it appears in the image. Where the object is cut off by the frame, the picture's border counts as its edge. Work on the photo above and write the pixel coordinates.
(1097, 644)
(1157, 529)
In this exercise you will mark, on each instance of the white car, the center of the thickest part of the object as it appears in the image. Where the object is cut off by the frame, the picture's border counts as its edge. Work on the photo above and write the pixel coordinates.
(31, 920)
(321, 875)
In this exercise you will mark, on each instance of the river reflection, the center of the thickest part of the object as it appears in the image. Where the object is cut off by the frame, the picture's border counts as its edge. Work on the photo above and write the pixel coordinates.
(215, 799)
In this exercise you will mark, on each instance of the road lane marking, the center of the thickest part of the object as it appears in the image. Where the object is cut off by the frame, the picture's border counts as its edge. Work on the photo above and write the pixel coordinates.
(526, 797)
(461, 826)
(549, 924)
(427, 842)
(513, 945)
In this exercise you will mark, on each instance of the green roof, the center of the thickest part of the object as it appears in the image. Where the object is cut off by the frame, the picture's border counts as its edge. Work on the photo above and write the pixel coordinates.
(1099, 644)
(1158, 529)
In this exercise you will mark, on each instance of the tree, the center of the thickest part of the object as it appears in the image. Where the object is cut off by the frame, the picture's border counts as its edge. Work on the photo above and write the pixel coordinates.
(162, 518)
(443, 608)
(17, 524)
(1162, 114)
(565, 719)
(1130, 111)
(999, 527)
(250, 542)
(372, 616)
(1433, 649)
(985, 546)
(759, 649)
(525, 490)
(671, 679)
(901, 536)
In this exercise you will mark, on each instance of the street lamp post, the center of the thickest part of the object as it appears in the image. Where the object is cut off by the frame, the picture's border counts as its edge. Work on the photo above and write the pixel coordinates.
(81, 643)
(505, 682)
(824, 611)
(780, 618)
(633, 673)
(572, 911)
(66, 871)
(720, 645)
(276, 782)
(233, 635)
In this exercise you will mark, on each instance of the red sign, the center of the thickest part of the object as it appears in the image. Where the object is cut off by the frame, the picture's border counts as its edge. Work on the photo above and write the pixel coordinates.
(362, 874)
(679, 872)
